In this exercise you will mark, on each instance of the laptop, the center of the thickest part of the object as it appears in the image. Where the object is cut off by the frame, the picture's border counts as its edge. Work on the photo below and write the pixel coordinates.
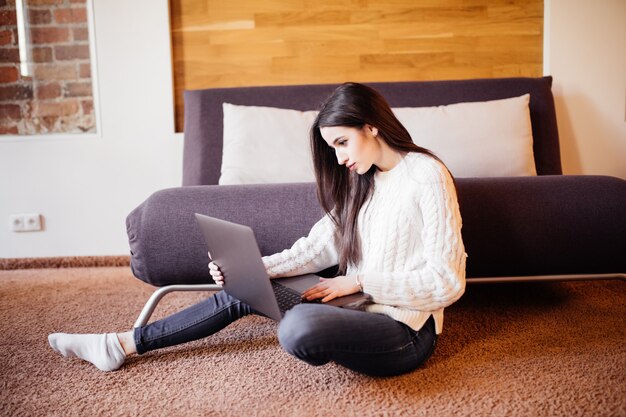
(234, 248)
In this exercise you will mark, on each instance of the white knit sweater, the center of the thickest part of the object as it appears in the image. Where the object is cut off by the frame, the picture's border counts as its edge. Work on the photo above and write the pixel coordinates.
(413, 258)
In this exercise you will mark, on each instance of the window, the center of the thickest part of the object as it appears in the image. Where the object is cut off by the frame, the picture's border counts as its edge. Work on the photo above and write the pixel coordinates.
(46, 83)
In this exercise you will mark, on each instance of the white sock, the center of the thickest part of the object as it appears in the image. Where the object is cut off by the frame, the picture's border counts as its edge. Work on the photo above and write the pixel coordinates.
(103, 350)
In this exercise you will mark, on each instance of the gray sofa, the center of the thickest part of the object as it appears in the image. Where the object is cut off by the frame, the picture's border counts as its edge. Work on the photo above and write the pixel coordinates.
(549, 227)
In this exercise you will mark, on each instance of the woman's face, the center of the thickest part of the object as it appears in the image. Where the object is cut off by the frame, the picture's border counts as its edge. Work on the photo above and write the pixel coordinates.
(357, 149)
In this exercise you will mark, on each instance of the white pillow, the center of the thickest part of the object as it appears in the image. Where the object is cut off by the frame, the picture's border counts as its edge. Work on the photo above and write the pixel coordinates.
(481, 139)
(266, 145)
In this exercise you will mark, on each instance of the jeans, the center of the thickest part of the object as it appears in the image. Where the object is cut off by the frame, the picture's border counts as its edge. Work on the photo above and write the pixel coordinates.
(369, 343)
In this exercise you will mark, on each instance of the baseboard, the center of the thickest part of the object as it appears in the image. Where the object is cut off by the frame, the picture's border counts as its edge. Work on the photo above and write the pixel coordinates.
(63, 262)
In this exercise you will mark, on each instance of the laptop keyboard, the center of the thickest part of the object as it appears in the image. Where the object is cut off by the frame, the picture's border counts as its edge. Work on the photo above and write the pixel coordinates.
(286, 297)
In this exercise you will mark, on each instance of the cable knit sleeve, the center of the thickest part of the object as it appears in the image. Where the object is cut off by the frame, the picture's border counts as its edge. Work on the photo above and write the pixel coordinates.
(435, 277)
(309, 254)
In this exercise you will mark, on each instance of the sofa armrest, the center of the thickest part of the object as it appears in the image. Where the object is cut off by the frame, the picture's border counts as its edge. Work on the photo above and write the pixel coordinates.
(167, 246)
(546, 225)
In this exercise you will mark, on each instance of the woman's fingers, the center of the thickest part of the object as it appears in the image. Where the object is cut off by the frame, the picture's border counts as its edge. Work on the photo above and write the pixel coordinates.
(216, 273)
(317, 291)
(329, 289)
(314, 289)
(329, 297)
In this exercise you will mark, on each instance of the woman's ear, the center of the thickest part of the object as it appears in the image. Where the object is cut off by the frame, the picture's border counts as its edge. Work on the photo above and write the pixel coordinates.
(373, 130)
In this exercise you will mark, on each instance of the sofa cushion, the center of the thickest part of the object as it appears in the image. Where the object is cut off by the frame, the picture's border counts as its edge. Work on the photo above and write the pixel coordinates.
(479, 139)
(266, 145)
(512, 226)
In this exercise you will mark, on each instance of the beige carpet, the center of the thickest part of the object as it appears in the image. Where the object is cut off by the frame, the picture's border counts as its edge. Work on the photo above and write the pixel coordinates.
(542, 349)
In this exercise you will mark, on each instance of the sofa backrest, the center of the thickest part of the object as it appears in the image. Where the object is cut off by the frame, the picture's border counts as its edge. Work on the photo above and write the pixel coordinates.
(202, 156)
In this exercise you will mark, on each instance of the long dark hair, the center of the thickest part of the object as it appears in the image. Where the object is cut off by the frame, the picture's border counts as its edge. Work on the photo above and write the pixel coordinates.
(341, 193)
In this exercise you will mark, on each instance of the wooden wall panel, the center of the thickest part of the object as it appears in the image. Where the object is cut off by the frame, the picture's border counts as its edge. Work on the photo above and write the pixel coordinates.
(230, 43)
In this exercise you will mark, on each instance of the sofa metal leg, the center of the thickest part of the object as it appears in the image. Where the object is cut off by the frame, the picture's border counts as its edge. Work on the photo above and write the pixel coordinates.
(148, 309)
(150, 306)
(543, 278)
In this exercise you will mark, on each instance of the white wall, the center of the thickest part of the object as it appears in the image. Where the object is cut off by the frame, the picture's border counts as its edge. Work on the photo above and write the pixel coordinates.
(587, 57)
(85, 188)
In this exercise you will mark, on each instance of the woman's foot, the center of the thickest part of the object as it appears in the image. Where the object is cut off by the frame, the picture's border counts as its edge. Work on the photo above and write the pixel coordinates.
(102, 350)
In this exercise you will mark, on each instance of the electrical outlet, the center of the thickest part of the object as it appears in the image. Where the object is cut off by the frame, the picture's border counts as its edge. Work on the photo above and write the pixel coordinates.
(29, 222)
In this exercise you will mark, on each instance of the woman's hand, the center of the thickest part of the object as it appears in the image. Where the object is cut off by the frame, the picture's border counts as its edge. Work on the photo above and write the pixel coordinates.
(216, 274)
(331, 288)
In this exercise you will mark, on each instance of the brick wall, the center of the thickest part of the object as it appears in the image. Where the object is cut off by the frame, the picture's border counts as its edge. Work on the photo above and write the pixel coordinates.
(58, 97)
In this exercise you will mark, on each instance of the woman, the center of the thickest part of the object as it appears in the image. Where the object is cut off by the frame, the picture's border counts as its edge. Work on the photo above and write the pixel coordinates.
(393, 226)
